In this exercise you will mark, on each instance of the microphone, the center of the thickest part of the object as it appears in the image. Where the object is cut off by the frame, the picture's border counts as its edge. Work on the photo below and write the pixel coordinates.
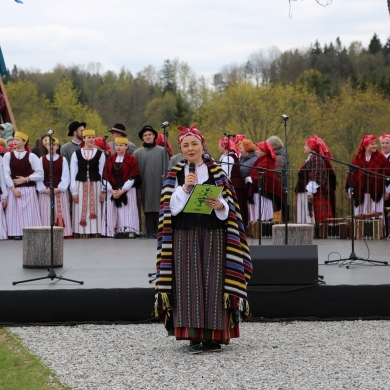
(192, 170)
(164, 124)
(229, 135)
(50, 133)
(285, 117)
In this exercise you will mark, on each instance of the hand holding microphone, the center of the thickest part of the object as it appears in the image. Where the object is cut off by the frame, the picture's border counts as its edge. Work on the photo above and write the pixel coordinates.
(190, 179)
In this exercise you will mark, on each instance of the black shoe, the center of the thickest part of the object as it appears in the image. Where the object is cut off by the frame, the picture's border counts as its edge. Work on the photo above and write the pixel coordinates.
(18, 238)
(212, 347)
(195, 347)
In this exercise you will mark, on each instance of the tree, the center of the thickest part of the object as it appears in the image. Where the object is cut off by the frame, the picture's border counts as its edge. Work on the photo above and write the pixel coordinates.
(375, 45)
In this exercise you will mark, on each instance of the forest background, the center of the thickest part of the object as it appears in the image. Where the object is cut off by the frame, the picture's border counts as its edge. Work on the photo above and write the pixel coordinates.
(335, 92)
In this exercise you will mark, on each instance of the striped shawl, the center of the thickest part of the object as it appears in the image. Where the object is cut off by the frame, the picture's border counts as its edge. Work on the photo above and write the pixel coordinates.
(238, 267)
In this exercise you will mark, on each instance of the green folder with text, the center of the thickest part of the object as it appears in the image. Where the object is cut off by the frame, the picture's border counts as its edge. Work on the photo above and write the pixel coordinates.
(200, 193)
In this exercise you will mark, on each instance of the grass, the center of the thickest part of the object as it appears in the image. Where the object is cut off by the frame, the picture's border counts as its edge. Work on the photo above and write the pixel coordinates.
(20, 370)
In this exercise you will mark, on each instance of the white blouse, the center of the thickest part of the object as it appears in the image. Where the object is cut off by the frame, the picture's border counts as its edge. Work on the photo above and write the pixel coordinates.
(36, 166)
(65, 176)
(74, 167)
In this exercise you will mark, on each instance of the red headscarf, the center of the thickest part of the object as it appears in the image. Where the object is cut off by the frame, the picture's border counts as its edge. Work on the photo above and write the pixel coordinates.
(269, 150)
(365, 141)
(384, 136)
(100, 141)
(160, 142)
(224, 142)
(185, 132)
(238, 138)
(316, 144)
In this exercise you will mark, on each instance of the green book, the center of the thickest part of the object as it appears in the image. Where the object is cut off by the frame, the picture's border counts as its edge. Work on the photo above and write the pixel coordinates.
(200, 193)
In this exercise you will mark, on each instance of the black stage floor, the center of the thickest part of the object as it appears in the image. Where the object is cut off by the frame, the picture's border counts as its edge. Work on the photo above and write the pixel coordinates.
(116, 285)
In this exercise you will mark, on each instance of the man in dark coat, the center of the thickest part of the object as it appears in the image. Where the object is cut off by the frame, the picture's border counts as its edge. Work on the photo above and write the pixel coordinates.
(151, 161)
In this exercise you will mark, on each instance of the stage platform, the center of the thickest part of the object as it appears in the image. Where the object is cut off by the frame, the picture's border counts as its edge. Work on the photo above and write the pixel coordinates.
(116, 284)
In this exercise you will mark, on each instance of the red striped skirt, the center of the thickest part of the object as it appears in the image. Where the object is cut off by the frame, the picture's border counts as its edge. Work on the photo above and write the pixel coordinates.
(199, 264)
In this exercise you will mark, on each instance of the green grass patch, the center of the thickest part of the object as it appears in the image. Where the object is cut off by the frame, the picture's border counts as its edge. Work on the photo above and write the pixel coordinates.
(20, 370)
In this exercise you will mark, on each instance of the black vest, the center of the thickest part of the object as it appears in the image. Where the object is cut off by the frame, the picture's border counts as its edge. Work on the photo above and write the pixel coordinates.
(190, 220)
(88, 169)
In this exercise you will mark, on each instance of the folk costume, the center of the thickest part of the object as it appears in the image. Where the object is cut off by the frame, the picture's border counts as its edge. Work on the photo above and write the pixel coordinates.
(386, 137)
(121, 172)
(316, 177)
(61, 180)
(3, 196)
(271, 190)
(203, 261)
(22, 211)
(368, 188)
(86, 169)
(151, 160)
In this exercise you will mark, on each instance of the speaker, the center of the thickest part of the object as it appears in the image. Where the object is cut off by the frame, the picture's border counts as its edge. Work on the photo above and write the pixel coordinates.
(284, 264)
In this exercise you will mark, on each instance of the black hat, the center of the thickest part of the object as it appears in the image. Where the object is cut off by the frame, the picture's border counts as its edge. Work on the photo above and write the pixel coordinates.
(118, 128)
(147, 128)
(74, 126)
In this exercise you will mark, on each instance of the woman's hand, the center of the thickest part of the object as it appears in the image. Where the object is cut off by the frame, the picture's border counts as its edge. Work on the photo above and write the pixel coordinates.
(20, 180)
(190, 180)
(16, 192)
(214, 202)
(310, 198)
(75, 199)
(4, 203)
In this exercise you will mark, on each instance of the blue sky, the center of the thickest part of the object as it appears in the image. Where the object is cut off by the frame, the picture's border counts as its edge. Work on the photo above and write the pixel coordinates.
(207, 34)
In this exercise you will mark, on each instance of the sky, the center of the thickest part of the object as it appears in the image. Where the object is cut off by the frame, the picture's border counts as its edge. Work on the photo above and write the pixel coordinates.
(206, 34)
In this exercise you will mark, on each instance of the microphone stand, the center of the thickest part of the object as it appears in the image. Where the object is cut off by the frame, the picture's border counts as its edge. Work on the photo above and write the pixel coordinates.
(285, 182)
(52, 275)
(165, 132)
(229, 136)
(105, 183)
(352, 257)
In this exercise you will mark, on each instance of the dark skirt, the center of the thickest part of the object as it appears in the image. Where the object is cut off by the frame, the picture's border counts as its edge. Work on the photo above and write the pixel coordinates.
(199, 263)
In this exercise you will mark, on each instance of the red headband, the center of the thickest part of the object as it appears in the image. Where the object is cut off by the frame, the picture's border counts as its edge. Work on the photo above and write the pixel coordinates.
(185, 132)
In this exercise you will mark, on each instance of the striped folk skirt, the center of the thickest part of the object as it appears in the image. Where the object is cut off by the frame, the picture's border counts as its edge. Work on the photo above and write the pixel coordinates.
(3, 225)
(199, 264)
(321, 208)
(82, 224)
(267, 209)
(22, 212)
(45, 209)
(120, 219)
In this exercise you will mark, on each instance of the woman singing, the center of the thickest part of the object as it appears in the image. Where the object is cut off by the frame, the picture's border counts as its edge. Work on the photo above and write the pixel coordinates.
(369, 189)
(123, 177)
(22, 170)
(86, 168)
(271, 190)
(316, 184)
(203, 262)
(61, 179)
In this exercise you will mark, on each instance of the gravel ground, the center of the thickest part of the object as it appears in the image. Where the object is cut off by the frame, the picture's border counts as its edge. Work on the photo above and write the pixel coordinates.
(293, 355)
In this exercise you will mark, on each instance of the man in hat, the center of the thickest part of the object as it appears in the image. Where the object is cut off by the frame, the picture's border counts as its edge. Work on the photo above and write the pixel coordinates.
(76, 132)
(151, 162)
(119, 131)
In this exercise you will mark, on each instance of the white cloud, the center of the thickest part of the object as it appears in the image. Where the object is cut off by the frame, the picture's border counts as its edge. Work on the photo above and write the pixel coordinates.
(206, 35)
